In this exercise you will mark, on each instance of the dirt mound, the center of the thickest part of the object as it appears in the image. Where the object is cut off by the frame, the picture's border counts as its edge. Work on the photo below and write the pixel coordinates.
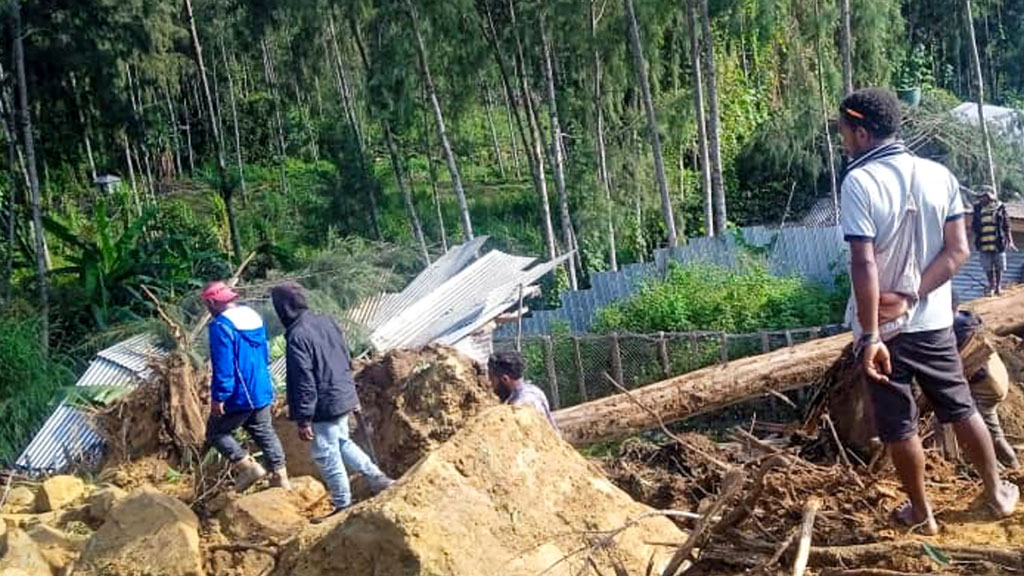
(503, 496)
(417, 399)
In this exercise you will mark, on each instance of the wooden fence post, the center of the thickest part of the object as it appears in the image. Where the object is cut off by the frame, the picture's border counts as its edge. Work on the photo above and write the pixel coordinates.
(766, 345)
(724, 338)
(666, 367)
(581, 379)
(616, 354)
(694, 352)
(789, 338)
(549, 361)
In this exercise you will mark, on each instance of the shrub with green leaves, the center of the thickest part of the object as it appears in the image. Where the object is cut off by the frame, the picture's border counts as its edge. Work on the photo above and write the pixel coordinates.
(29, 380)
(708, 297)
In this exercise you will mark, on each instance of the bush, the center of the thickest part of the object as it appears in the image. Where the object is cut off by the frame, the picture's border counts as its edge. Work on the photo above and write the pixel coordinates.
(29, 381)
(709, 297)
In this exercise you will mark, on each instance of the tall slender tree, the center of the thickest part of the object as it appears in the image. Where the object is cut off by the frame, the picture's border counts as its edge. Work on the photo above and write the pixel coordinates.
(979, 82)
(28, 139)
(489, 109)
(446, 146)
(404, 186)
(846, 45)
(700, 117)
(602, 157)
(640, 68)
(225, 186)
(556, 152)
(714, 130)
(234, 119)
(533, 143)
(830, 160)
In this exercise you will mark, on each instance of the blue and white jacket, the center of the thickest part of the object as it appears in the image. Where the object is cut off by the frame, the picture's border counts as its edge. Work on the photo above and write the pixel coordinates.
(240, 357)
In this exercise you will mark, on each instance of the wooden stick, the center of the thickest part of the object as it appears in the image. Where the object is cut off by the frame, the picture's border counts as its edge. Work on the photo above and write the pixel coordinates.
(731, 485)
(876, 572)
(176, 330)
(804, 548)
(767, 564)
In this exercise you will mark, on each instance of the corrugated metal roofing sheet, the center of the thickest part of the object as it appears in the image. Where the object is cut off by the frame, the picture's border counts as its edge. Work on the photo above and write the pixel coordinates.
(453, 262)
(68, 436)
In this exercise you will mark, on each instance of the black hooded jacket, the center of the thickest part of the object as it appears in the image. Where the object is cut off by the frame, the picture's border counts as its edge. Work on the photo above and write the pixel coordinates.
(319, 376)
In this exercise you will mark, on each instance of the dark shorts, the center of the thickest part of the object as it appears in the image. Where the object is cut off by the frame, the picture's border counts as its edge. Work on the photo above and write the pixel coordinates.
(933, 361)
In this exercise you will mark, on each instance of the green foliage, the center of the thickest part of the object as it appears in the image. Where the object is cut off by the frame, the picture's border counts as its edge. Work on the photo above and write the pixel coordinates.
(29, 380)
(709, 297)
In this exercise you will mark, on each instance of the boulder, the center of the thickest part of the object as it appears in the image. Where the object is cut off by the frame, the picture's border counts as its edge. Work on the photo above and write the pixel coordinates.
(102, 501)
(268, 515)
(58, 492)
(148, 533)
(296, 451)
(20, 500)
(505, 495)
(58, 550)
(307, 492)
(19, 552)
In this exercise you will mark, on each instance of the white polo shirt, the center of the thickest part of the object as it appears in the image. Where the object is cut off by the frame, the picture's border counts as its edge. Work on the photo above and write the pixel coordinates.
(874, 199)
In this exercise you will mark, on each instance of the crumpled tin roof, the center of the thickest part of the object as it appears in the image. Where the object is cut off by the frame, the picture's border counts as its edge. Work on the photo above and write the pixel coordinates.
(68, 435)
(455, 297)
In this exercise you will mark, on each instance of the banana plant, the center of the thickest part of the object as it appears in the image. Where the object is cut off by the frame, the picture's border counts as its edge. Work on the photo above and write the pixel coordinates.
(107, 268)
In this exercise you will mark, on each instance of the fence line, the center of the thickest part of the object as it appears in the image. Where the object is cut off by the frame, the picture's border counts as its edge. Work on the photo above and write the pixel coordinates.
(572, 367)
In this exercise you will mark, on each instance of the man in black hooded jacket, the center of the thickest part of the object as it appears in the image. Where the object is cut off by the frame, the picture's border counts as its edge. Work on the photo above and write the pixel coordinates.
(321, 394)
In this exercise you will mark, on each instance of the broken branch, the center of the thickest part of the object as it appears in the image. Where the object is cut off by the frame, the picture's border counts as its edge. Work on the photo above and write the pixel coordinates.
(806, 531)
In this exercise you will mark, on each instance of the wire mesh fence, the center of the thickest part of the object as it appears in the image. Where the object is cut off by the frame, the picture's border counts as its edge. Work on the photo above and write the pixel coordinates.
(572, 369)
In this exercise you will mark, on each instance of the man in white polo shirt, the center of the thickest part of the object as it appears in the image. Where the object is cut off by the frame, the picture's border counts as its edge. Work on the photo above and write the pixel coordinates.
(903, 218)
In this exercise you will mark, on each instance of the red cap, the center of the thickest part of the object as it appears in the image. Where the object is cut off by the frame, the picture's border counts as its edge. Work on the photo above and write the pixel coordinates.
(219, 292)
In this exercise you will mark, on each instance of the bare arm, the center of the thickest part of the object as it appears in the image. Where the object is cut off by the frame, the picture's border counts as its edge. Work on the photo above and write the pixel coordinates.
(864, 276)
(955, 252)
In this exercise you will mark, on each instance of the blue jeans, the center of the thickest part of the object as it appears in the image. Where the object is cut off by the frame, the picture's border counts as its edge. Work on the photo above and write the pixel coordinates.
(335, 453)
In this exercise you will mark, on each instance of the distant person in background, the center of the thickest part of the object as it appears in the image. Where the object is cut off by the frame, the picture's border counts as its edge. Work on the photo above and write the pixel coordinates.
(992, 237)
(505, 371)
(322, 395)
(989, 384)
(241, 393)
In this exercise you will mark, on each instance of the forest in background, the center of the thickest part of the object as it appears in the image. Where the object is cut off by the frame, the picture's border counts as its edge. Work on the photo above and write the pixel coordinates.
(349, 142)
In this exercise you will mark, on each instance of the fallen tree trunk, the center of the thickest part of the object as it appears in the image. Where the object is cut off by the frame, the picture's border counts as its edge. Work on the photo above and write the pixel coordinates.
(720, 386)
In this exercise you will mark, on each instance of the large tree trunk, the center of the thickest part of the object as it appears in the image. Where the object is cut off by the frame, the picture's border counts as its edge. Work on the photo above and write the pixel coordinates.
(234, 119)
(714, 130)
(556, 152)
(602, 157)
(846, 46)
(449, 155)
(717, 387)
(640, 67)
(979, 80)
(25, 120)
(701, 117)
(226, 189)
(532, 140)
(489, 107)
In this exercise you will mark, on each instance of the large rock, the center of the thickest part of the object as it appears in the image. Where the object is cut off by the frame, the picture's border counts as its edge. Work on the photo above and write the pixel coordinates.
(19, 552)
(20, 500)
(417, 399)
(102, 501)
(268, 515)
(504, 496)
(58, 550)
(58, 492)
(146, 534)
(296, 450)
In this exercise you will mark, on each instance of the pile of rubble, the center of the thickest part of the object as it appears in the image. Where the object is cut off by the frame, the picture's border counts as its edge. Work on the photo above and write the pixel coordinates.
(489, 489)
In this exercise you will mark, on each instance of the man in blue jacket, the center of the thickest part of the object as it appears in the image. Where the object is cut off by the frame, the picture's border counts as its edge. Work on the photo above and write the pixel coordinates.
(241, 393)
(321, 394)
